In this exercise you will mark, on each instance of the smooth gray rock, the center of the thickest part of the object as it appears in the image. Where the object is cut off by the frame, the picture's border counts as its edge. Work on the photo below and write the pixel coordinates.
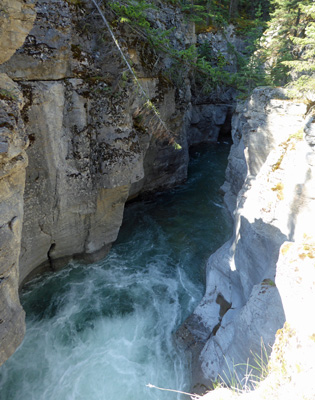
(268, 189)
(13, 161)
(260, 318)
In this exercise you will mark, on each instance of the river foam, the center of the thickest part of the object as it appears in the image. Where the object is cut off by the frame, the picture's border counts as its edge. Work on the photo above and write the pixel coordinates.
(105, 331)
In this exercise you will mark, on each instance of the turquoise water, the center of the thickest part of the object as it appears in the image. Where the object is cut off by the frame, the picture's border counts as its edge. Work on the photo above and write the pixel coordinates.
(104, 331)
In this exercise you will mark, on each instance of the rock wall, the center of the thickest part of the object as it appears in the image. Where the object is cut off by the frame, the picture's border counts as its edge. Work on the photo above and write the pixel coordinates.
(16, 19)
(209, 122)
(93, 144)
(13, 161)
(211, 112)
(270, 185)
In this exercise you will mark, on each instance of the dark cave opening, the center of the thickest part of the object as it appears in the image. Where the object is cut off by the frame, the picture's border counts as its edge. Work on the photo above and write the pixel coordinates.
(226, 129)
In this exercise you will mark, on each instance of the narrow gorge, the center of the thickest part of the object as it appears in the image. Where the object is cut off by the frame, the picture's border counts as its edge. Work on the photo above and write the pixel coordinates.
(107, 328)
(125, 255)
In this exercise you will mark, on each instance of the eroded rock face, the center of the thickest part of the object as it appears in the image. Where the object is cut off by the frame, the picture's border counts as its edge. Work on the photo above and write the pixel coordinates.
(206, 122)
(93, 143)
(211, 111)
(291, 367)
(78, 179)
(218, 44)
(13, 161)
(259, 125)
(16, 20)
(269, 167)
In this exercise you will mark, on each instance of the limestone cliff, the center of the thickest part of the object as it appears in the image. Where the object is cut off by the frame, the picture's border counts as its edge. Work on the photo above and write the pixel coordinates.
(13, 161)
(16, 19)
(92, 142)
(271, 184)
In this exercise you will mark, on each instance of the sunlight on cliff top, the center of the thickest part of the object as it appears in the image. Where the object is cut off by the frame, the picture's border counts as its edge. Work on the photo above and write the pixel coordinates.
(291, 365)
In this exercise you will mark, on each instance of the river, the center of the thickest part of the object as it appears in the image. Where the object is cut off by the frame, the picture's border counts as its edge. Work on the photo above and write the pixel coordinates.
(104, 331)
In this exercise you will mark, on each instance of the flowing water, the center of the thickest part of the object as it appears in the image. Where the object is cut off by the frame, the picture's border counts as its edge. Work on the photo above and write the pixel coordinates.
(104, 331)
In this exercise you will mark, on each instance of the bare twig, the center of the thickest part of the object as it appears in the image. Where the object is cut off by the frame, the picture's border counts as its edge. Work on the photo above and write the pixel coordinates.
(172, 390)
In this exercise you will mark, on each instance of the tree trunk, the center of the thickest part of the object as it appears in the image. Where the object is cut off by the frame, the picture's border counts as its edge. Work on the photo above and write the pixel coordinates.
(208, 8)
(233, 8)
(297, 21)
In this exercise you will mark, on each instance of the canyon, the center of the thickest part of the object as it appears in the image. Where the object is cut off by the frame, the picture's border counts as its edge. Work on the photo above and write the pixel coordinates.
(77, 142)
(91, 142)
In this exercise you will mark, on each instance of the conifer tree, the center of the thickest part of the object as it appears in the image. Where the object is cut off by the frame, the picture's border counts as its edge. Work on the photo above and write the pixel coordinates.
(290, 47)
(302, 68)
(284, 25)
(233, 9)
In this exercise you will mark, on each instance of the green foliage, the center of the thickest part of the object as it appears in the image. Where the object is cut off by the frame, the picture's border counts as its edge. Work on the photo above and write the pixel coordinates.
(195, 12)
(244, 377)
(133, 12)
(269, 282)
(209, 69)
(184, 61)
(298, 135)
(210, 15)
(177, 146)
(290, 52)
(255, 9)
(304, 46)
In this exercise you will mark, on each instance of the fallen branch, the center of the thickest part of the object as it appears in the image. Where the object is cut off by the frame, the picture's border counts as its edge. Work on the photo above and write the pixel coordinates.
(193, 396)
